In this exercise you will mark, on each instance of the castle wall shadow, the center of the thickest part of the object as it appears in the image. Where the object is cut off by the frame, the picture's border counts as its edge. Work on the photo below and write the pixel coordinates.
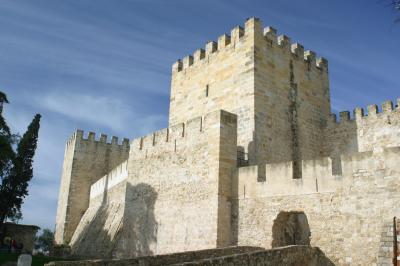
(139, 223)
(119, 229)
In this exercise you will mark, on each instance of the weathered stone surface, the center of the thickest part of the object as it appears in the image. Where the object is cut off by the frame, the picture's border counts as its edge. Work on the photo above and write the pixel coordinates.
(240, 256)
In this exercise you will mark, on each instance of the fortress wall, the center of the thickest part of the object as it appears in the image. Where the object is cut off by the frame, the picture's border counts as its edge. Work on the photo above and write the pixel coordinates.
(114, 177)
(102, 223)
(178, 192)
(291, 99)
(224, 68)
(64, 191)
(86, 160)
(364, 131)
(348, 214)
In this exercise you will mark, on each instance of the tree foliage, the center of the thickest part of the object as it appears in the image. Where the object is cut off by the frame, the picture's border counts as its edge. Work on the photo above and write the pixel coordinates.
(45, 240)
(15, 165)
(3, 97)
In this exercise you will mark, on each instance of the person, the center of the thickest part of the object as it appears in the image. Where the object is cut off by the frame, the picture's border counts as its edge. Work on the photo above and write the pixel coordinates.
(13, 245)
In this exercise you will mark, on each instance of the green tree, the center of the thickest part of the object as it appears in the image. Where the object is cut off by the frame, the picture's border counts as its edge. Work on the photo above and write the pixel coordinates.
(15, 166)
(3, 100)
(45, 240)
(7, 154)
(6, 141)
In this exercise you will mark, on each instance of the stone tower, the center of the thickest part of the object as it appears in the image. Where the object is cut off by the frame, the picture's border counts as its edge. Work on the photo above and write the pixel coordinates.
(85, 161)
(279, 92)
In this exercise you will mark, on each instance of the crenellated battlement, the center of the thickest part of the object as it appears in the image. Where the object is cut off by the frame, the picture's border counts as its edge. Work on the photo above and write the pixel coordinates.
(169, 137)
(240, 34)
(182, 136)
(79, 135)
(319, 176)
(373, 112)
(295, 49)
(201, 55)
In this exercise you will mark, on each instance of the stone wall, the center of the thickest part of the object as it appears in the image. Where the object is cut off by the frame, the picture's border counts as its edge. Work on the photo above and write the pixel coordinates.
(240, 256)
(85, 161)
(187, 171)
(22, 233)
(363, 132)
(176, 196)
(347, 214)
(101, 223)
(285, 256)
(111, 179)
(292, 99)
(221, 76)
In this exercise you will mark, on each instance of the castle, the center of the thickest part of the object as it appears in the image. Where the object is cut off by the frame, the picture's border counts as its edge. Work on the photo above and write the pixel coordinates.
(252, 157)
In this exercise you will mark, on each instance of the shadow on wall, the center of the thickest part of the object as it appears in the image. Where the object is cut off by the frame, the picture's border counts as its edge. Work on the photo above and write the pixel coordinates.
(139, 235)
(290, 228)
(118, 229)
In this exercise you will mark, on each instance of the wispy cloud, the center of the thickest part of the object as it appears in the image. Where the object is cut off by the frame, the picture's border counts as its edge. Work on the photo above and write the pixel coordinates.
(102, 110)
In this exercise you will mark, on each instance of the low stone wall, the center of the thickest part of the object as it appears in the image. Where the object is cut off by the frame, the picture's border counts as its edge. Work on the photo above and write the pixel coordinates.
(232, 256)
(61, 251)
(284, 256)
(167, 259)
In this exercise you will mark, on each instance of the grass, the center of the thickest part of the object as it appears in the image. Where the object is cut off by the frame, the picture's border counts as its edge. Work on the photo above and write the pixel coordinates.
(36, 260)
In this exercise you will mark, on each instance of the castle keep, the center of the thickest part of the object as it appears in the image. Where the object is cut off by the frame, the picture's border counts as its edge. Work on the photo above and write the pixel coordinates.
(252, 157)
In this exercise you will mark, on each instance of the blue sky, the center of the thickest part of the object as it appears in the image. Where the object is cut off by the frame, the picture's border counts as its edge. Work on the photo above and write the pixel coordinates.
(105, 65)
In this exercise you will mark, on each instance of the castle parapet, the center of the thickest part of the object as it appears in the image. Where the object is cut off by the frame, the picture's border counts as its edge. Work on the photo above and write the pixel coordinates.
(113, 178)
(238, 34)
(172, 138)
(91, 137)
(318, 176)
(387, 107)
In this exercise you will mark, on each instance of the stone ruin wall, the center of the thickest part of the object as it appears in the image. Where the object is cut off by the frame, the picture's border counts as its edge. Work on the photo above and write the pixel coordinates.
(85, 161)
(175, 196)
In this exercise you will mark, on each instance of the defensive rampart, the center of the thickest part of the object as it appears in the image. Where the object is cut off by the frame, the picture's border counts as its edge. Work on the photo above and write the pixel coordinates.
(363, 131)
(347, 212)
(113, 178)
(85, 161)
(176, 196)
(232, 256)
